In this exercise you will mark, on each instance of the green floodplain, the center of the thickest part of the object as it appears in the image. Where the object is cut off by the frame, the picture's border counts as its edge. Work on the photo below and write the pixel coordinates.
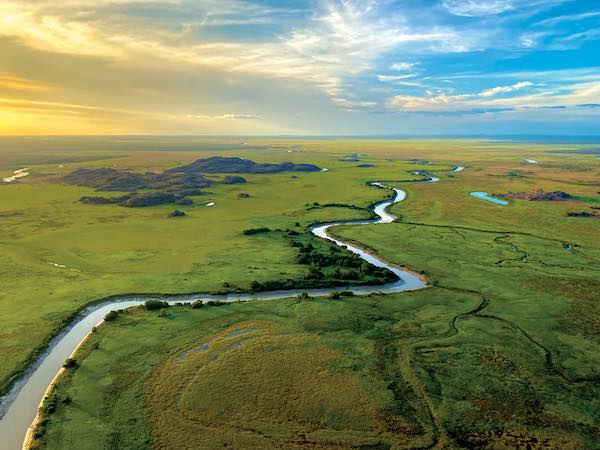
(500, 351)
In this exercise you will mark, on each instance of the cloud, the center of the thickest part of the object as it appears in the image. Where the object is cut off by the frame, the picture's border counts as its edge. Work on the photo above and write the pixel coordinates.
(341, 39)
(16, 83)
(571, 96)
(387, 78)
(403, 66)
(164, 58)
(567, 18)
(504, 89)
(443, 101)
(351, 105)
(477, 8)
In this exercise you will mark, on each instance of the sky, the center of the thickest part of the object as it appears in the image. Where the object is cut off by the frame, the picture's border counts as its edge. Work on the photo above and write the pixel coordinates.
(305, 67)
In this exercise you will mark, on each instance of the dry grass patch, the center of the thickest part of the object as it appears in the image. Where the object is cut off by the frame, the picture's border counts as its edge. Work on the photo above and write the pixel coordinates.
(254, 386)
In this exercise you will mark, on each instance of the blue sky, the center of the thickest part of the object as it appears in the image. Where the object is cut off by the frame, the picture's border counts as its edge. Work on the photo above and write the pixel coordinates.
(300, 67)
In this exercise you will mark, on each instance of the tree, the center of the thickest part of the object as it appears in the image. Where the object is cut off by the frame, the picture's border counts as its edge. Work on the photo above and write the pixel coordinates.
(112, 315)
(152, 305)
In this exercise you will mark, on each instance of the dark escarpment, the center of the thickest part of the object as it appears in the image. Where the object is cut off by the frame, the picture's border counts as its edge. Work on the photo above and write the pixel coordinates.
(173, 185)
(139, 200)
(234, 179)
(122, 181)
(219, 164)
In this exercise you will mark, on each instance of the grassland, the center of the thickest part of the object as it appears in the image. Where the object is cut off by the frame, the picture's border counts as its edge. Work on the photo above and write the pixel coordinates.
(501, 351)
(108, 250)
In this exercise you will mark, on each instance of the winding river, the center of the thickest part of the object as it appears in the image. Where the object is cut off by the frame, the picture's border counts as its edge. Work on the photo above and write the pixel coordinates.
(19, 407)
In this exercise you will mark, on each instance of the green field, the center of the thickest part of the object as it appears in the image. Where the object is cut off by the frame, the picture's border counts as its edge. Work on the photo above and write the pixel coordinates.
(501, 351)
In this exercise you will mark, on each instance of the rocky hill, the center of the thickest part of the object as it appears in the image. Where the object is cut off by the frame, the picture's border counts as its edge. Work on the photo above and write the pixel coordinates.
(219, 164)
(173, 185)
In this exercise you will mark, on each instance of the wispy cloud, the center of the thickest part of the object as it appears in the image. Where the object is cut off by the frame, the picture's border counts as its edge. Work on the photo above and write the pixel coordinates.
(505, 89)
(476, 8)
(344, 37)
(16, 83)
(387, 78)
(403, 66)
(308, 59)
(567, 18)
(583, 93)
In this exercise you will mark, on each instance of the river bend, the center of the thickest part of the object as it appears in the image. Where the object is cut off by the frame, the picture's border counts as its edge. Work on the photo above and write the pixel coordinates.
(19, 407)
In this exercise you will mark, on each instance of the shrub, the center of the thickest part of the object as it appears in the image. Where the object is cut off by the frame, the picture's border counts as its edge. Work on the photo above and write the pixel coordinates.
(255, 286)
(335, 296)
(112, 315)
(152, 305)
(215, 303)
(198, 304)
(70, 363)
(252, 231)
(303, 296)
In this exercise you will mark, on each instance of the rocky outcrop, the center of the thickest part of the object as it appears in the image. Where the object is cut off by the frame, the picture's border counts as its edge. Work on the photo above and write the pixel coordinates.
(149, 199)
(234, 179)
(138, 200)
(103, 200)
(219, 164)
(176, 184)
(107, 179)
(538, 195)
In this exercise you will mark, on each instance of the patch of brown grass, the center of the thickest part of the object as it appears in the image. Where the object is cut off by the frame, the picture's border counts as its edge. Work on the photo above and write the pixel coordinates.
(253, 386)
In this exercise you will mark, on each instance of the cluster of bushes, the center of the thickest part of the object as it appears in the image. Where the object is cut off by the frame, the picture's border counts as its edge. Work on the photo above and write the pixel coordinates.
(338, 295)
(348, 266)
(112, 315)
(329, 265)
(200, 304)
(252, 231)
(70, 363)
(153, 305)
(288, 283)
(317, 205)
(308, 254)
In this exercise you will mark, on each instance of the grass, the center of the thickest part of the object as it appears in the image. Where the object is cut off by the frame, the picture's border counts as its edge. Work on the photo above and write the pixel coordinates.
(501, 351)
(314, 370)
(108, 250)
